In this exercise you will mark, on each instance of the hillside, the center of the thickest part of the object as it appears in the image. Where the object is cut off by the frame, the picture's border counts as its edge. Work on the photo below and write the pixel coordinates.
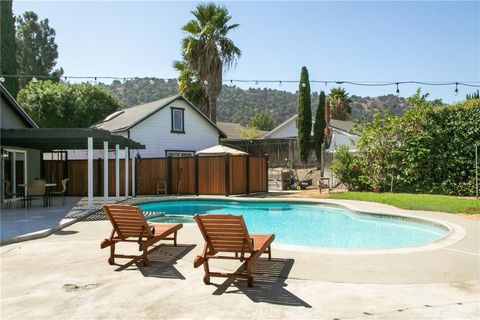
(240, 106)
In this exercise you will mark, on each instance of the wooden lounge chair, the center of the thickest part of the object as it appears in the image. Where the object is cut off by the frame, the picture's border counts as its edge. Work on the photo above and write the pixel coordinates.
(225, 233)
(129, 225)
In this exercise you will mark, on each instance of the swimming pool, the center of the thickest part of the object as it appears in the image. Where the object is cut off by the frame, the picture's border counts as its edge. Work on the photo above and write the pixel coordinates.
(307, 224)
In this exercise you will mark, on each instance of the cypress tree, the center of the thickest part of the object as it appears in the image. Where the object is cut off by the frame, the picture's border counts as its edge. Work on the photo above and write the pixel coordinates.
(304, 118)
(319, 128)
(8, 57)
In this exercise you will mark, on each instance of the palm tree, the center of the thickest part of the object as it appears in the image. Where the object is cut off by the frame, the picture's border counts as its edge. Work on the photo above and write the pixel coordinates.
(207, 50)
(191, 87)
(340, 102)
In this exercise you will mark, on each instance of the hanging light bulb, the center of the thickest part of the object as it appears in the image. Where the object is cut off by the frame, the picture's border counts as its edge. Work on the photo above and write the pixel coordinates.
(205, 82)
(151, 81)
(65, 78)
(398, 90)
(304, 84)
(456, 88)
(326, 83)
(256, 82)
(280, 84)
(34, 79)
(231, 81)
(2, 79)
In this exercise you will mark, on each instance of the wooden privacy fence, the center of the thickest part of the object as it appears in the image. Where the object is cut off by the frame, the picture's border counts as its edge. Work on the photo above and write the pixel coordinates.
(208, 175)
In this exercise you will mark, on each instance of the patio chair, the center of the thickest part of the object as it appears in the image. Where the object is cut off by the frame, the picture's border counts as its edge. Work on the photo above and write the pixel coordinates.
(9, 194)
(161, 187)
(35, 189)
(129, 225)
(61, 193)
(226, 233)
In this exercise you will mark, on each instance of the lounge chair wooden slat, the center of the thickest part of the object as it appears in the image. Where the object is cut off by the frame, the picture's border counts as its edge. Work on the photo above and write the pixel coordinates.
(228, 233)
(129, 225)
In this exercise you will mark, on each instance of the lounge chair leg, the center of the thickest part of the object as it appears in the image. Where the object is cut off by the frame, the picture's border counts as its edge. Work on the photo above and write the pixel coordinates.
(144, 257)
(269, 252)
(206, 277)
(175, 239)
(249, 275)
(111, 260)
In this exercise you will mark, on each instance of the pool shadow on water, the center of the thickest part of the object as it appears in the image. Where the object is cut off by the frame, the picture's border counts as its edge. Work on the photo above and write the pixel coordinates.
(268, 285)
(162, 260)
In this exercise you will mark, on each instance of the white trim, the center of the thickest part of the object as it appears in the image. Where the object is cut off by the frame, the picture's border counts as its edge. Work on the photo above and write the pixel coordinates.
(90, 173)
(105, 171)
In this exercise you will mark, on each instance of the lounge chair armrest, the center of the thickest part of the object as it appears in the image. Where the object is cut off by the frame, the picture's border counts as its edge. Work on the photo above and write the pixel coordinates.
(198, 261)
(105, 243)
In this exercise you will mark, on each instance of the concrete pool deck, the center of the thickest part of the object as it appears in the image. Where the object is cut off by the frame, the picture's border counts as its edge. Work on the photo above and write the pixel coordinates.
(67, 276)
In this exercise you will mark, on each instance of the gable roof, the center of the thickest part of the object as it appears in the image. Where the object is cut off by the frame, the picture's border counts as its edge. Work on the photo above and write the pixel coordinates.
(126, 119)
(16, 107)
(234, 130)
(341, 125)
(280, 126)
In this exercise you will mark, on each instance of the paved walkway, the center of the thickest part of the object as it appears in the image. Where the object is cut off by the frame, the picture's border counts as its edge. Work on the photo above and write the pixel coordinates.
(67, 276)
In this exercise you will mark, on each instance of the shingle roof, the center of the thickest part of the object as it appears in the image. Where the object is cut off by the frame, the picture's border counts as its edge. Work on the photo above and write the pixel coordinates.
(127, 118)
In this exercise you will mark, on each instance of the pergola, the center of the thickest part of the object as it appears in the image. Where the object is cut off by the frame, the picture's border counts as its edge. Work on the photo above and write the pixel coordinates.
(52, 139)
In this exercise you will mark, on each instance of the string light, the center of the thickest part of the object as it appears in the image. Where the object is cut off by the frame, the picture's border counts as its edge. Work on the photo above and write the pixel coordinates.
(151, 81)
(473, 84)
(398, 90)
(304, 84)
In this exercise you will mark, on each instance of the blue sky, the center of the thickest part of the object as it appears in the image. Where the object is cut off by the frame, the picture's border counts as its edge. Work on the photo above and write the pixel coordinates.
(352, 41)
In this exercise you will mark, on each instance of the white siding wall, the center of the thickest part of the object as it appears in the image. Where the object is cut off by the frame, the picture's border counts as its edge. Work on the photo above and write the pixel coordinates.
(154, 132)
(289, 130)
(9, 119)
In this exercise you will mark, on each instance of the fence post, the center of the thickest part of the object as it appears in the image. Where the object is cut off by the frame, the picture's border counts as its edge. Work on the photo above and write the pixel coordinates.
(99, 177)
(196, 175)
(169, 175)
(266, 173)
(247, 170)
(227, 175)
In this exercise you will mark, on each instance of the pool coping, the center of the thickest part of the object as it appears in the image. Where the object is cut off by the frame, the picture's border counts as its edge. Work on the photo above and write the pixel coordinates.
(455, 232)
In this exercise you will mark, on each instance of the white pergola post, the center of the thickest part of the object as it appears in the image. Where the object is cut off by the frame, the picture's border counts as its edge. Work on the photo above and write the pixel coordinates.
(134, 179)
(127, 156)
(90, 172)
(105, 171)
(117, 172)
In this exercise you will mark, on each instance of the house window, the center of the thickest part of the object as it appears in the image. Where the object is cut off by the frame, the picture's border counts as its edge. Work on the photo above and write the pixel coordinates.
(179, 153)
(178, 120)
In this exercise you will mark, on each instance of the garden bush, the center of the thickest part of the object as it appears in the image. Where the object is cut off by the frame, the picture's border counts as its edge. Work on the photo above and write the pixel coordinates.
(429, 149)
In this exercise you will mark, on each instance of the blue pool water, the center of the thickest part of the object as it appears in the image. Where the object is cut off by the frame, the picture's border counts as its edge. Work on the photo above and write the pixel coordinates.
(305, 223)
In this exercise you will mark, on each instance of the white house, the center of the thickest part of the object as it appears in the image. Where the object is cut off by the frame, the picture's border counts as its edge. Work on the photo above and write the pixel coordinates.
(340, 133)
(171, 126)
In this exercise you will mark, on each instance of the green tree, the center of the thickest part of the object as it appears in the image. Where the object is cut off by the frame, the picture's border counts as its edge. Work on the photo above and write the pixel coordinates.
(262, 121)
(208, 51)
(304, 119)
(8, 62)
(319, 128)
(475, 95)
(36, 48)
(63, 105)
(250, 133)
(191, 87)
(340, 103)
